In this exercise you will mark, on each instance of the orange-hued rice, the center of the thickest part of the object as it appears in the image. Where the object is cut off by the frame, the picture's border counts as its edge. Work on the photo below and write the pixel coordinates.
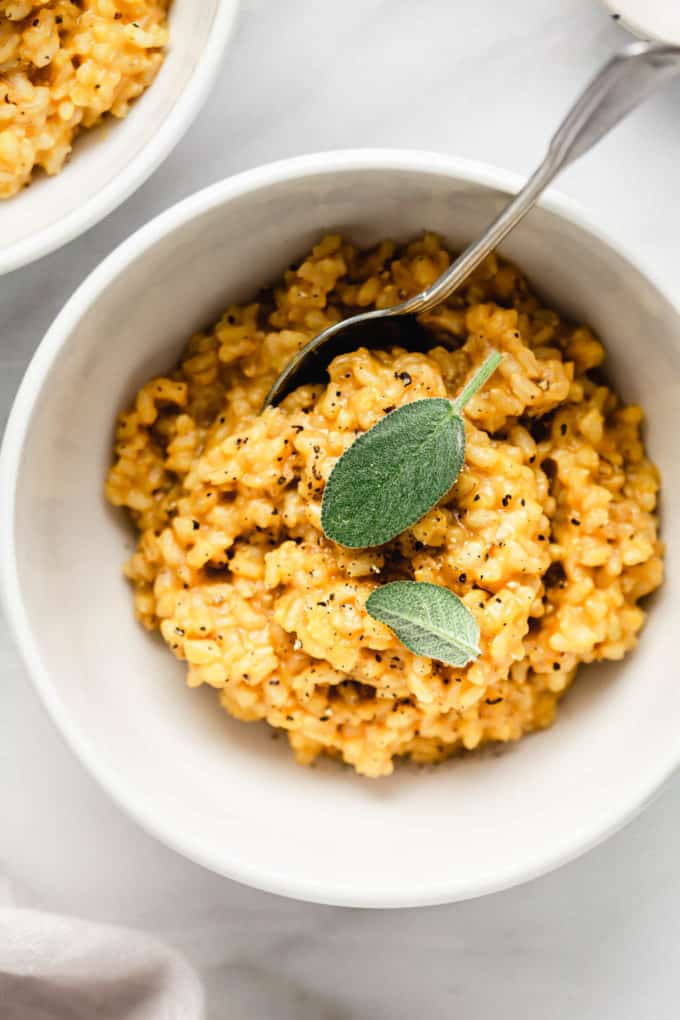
(549, 534)
(65, 64)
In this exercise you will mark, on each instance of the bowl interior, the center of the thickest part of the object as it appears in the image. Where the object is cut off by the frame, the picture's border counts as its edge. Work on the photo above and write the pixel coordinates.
(102, 155)
(224, 792)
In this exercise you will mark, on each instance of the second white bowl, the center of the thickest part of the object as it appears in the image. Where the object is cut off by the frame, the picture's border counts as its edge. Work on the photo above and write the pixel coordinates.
(111, 161)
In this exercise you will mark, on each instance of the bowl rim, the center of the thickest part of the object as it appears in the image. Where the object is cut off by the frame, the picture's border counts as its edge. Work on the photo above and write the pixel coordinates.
(142, 165)
(230, 864)
(639, 25)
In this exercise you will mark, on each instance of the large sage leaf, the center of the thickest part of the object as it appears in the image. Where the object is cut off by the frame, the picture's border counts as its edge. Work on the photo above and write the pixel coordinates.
(393, 474)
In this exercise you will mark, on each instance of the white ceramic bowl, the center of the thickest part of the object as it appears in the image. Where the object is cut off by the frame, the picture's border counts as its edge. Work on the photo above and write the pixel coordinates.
(113, 160)
(223, 792)
(648, 19)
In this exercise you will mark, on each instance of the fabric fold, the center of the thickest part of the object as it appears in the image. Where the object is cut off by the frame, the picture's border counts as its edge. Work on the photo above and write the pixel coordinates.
(59, 968)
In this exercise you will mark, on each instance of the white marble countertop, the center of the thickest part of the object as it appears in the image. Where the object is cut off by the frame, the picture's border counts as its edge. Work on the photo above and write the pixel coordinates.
(486, 79)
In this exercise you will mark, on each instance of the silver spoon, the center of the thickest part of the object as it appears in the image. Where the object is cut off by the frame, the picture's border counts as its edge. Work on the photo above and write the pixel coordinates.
(624, 82)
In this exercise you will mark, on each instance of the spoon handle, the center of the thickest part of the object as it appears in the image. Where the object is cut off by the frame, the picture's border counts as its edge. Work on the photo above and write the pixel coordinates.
(624, 82)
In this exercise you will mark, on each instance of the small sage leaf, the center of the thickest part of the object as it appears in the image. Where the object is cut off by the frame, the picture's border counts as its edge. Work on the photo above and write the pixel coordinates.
(428, 619)
(393, 474)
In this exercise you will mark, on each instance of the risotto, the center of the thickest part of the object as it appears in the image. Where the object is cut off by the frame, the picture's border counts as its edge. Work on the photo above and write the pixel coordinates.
(64, 64)
(549, 535)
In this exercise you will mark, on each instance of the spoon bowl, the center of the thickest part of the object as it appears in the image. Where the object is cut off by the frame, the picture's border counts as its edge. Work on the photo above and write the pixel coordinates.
(379, 329)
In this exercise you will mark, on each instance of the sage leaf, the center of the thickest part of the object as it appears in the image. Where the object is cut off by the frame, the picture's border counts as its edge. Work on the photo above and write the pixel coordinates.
(428, 619)
(393, 474)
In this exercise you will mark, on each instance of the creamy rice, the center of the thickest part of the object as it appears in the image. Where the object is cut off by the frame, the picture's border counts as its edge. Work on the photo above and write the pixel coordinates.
(65, 64)
(549, 535)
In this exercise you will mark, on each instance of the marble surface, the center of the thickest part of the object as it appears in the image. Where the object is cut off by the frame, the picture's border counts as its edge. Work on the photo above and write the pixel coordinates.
(486, 79)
